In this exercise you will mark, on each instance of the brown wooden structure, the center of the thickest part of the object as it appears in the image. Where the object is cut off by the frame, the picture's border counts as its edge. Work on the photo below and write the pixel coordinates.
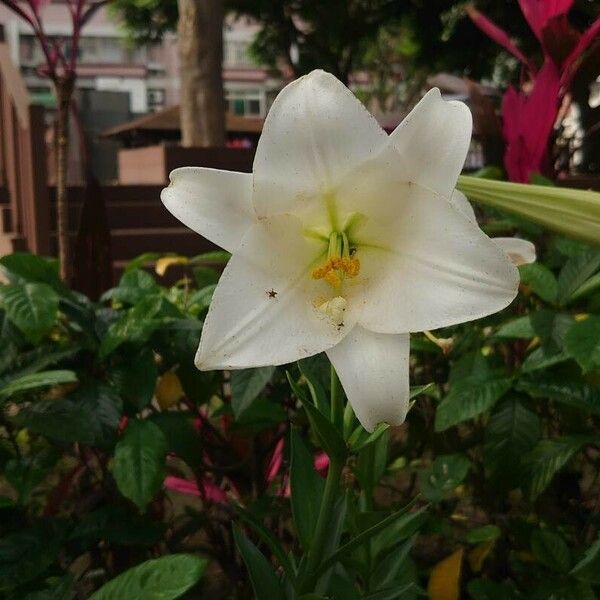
(24, 198)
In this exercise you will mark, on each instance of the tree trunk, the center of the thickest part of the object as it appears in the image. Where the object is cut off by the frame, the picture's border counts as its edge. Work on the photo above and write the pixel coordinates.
(200, 37)
(64, 91)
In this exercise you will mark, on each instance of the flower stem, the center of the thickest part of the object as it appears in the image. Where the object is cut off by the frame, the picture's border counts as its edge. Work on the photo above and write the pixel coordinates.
(315, 552)
(317, 546)
(337, 401)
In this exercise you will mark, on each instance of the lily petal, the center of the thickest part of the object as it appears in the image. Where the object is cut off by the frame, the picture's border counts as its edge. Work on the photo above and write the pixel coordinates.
(432, 268)
(216, 204)
(316, 133)
(520, 252)
(373, 370)
(461, 204)
(433, 141)
(265, 308)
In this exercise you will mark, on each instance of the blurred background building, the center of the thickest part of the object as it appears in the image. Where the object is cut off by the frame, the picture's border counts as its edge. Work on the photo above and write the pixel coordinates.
(149, 74)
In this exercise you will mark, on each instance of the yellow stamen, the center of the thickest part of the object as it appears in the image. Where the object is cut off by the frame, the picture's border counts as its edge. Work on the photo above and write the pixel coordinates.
(336, 268)
(332, 278)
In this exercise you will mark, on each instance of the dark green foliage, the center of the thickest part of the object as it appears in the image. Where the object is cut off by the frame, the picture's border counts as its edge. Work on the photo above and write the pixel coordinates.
(499, 454)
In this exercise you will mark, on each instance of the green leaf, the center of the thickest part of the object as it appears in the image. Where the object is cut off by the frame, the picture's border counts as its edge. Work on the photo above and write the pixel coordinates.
(520, 329)
(512, 431)
(484, 589)
(552, 328)
(583, 342)
(138, 323)
(201, 299)
(205, 277)
(118, 524)
(587, 288)
(485, 533)
(572, 212)
(443, 476)
(136, 379)
(365, 438)
(386, 571)
(26, 555)
(32, 307)
(329, 437)
(57, 588)
(269, 539)
(393, 593)
(214, 257)
(541, 280)
(578, 393)
(551, 550)
(315, 370)
(391, 529)
(576, 271)
(139, 464)
(22, 267)
(549, 457)
(89, 415)
(182, 438)
(588, 568)
(35, 381)
(163, 578)
(38, 359)
(265, 582)
(541, 358)
(307, 489)
(142, 260)
(134, 286)
(468, 399)
(246, 385)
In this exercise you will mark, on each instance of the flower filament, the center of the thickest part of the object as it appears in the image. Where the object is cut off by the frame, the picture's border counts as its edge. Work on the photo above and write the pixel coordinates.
(340, 263)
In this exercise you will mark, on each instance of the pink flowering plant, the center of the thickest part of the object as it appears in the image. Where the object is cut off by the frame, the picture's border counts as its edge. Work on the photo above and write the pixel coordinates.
(530, 112)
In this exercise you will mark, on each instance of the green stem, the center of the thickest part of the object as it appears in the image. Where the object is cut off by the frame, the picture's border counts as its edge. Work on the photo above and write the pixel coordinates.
(337, 401)
(334, 472)
(315, 552)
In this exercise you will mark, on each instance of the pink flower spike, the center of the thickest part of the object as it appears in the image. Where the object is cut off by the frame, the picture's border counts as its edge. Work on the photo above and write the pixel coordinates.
(274, 464)
(498, 35)
(210, 491)
(321, 463)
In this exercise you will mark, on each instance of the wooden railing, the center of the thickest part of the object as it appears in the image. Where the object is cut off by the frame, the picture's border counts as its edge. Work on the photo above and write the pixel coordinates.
(23, 175)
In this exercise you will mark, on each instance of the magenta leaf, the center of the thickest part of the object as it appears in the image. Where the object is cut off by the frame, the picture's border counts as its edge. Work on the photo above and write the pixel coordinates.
(498, 35)
(539, 12)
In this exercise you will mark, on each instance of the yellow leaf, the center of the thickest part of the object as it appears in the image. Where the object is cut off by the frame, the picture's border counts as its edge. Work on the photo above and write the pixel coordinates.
(478, 555)
(444, 581)
(168, 390)
(162, 264)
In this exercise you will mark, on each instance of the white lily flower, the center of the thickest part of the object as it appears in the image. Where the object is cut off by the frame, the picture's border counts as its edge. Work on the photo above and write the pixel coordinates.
(520, 252)
(344, 240)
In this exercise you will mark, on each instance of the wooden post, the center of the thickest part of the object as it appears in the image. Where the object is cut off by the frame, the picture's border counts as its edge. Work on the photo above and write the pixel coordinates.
(23, 158)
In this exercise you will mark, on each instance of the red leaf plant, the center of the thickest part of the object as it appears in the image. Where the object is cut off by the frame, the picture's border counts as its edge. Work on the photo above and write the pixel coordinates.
(530, 113)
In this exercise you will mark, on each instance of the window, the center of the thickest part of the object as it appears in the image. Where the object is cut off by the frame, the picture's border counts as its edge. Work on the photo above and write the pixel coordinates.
(236, 54)
(244, 102)
(156, 99)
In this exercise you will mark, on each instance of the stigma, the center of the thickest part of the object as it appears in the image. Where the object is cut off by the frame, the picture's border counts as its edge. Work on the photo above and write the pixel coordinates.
(334, 309)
